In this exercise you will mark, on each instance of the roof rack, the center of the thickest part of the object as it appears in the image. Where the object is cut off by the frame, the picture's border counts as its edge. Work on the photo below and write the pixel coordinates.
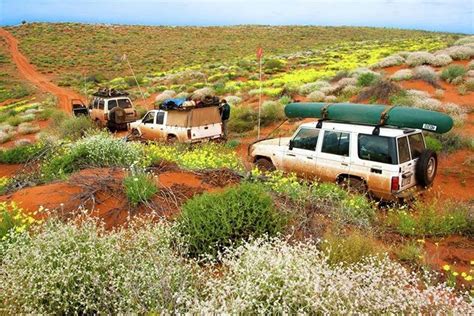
(109, 93)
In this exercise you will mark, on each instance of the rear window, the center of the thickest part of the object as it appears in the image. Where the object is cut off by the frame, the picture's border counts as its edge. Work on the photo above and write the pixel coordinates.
(111, 104)
(124, 103)
(101, 104)
(403, 150)
(417, 145)
(336, 143)
(377, 148)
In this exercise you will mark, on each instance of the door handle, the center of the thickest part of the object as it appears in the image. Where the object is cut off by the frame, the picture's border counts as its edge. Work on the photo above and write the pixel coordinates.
(344, 164)
(310, 158)
(291, 155)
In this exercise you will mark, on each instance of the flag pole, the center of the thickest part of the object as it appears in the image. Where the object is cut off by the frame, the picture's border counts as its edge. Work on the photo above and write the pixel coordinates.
(259, 54)
(135, 77)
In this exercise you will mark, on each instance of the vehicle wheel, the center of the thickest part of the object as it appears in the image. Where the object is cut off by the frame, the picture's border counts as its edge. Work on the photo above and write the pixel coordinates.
(264, 164)
(426, 168)
(354, 185)
(172, 139)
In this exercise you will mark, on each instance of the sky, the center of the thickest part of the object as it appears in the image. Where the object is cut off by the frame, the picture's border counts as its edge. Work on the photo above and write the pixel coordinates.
(433, 15)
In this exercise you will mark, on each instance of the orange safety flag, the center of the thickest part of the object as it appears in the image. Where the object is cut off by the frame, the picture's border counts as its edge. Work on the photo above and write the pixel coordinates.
(259, 53)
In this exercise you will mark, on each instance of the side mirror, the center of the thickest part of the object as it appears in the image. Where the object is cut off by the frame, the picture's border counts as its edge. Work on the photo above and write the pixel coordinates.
(292, 144)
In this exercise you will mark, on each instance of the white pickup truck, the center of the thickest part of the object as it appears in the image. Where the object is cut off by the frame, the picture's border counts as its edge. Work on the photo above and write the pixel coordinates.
(184, 125)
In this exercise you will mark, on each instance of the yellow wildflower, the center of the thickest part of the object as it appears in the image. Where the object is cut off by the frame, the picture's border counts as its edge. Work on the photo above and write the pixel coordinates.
(421, 241)
(446, 267)
(455, 273)
(468, 278)
(463, 274)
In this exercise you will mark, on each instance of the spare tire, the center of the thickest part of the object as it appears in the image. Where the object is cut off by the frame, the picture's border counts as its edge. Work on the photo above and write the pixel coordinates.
(426, 168)
(117, 115)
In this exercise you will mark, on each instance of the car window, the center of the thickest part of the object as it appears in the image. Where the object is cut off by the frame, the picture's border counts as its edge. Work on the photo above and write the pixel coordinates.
(403, 150)
(95, 102)
(124, 103)
(377, 148)
(336, 143)
(111, 104)
(149, 118)
(101, 104)
(160, 117)
(416, 145)
(306, 138)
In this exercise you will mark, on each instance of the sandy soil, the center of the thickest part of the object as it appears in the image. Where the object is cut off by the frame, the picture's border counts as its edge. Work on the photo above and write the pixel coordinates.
(41, 81)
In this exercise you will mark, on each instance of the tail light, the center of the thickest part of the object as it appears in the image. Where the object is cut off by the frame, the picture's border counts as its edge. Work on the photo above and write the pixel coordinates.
(395, 184)
(189, 134)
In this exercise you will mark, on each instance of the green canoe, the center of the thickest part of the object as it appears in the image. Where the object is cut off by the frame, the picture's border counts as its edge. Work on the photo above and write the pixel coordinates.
(373, 114)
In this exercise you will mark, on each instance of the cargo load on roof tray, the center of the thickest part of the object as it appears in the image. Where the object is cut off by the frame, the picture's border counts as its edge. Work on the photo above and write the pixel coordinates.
(373, 114)
(183, 104)
(110, 93)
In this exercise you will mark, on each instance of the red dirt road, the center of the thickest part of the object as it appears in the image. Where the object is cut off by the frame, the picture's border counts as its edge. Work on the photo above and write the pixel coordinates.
(29, 72)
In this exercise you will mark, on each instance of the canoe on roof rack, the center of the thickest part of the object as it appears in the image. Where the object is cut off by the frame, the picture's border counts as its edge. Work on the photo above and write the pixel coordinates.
(373, 114)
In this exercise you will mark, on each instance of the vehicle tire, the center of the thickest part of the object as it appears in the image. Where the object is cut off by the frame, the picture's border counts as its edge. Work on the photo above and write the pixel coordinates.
(172, 139)
(264, 164)
(354, 185)
(426, 168)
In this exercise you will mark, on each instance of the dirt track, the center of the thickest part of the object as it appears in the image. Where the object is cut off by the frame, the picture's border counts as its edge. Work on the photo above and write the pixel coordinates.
(29, 72)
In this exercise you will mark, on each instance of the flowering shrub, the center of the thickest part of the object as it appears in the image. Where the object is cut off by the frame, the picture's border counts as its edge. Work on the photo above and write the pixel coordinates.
(441, 60)
(212, 221)
(20, 154)
(99, 150)
(280, 278)
(207, 156)
(389, 61)
(78, 269)
(419, 58)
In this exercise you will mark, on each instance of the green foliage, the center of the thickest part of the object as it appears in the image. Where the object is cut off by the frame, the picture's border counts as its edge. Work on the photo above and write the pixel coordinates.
(212, 221)
(139, 187)
(72, 127)
(452, 72)
(433, 143)
(20, 154)
(452, 141)
(349, 249)
(410, 252)
(429, 221)
(272, 111)
(242, 119)
(366, 79)
(273, 65)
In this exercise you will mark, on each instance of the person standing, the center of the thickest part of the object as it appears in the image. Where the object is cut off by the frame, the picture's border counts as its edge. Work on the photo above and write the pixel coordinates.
(225, 115)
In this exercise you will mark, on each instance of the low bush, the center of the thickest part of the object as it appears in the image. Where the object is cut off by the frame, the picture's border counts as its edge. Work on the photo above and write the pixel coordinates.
(429, 220)
(389, 61)
(403, 74)
(28, 128)
(72, 128)
(316, 96)
(433, 144)
(242, 119)
(313, 86)
(139, 187)
(82, 269)
(382, 90)
(4, 181)
(99, 150)
(20, 154)
(427, 74)
(452, 72)
(419, 58)
(452, 141)
(367, 79)
(272, 111)
(410, 252)
(212, 221)
(281, 278)
(349, 249)
(5, 137)
(441, 60)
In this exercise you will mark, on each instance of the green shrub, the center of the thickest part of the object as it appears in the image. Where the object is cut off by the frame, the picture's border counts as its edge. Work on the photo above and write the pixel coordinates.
(272, 65)
(139, 188)
(15, 120)
(429, 221)
(242, 119)
(73, 128)
(452, 141)
(411, 252)
(272, 111)
(349, 249)
(366, 79)
(79, 268)
(212, 221)
(20, 154)
(433, 144)
(452, 72)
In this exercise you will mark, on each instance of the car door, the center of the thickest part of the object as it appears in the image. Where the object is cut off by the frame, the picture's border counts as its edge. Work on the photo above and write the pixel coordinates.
(333, 155)
(409, 149)
(148, 125)
(300, 156)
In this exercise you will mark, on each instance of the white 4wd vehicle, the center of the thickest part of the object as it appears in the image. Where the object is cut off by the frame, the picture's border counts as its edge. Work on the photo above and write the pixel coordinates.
(390, 165)
(186, 126)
